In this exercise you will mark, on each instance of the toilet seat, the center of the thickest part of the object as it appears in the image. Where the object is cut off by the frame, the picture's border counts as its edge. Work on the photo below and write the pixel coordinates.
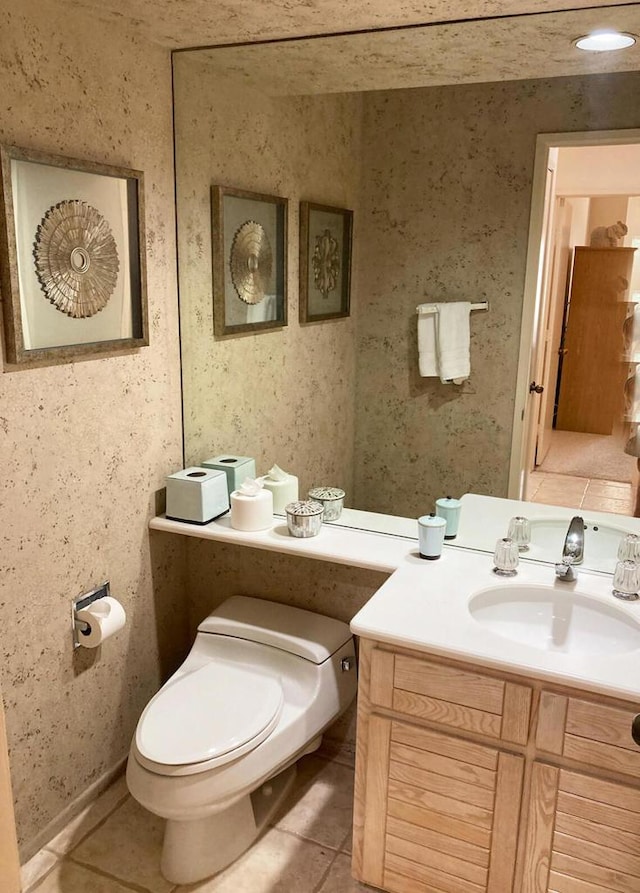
(207, 718)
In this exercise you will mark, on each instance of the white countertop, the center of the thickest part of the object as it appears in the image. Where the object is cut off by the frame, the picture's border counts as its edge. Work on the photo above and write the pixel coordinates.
(426, 608)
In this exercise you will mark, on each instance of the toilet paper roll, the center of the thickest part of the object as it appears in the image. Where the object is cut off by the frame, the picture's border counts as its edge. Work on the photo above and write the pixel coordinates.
(251, 512)
(105, 617)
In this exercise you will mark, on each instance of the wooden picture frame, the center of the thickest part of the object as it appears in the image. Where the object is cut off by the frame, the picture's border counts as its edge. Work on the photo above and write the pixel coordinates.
(249, 258)
(72, 258)
(325, 262)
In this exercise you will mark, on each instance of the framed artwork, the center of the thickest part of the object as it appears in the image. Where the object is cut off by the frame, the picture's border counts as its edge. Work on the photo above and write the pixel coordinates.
(249, 247)
(72, 258)
(325, 262)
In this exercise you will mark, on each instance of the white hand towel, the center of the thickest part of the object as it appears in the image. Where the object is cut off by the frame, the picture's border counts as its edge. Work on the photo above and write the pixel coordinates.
(452, 341)
(427, 354)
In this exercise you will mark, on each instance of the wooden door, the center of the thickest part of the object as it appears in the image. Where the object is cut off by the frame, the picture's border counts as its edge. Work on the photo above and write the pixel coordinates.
(9, 864)
(441, 813)
(593, 374)
(583, 834)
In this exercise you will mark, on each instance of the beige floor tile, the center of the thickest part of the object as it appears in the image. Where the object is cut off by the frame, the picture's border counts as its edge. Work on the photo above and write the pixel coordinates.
(276, 863)
(570, 485)
(84, 823)
(347, 844)
(603, 504)
(549, 476)
(36, 868)
(339, 879)
(607, 483)
(560, 499)
(127, 846)
(614, 489)
(70, 878)
(320, 808)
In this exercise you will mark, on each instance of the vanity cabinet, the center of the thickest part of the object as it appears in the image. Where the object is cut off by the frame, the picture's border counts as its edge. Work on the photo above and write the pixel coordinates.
(471, 781)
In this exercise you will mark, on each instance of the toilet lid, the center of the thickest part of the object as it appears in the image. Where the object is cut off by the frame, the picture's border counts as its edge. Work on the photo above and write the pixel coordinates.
(214, 711)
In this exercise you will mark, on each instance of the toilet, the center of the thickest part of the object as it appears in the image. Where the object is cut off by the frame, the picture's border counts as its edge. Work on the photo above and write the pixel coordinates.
(215, 749)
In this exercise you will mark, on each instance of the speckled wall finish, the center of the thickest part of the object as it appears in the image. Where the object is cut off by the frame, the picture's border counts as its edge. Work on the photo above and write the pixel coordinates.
(282, 395)
(445, 217)
(83, 447)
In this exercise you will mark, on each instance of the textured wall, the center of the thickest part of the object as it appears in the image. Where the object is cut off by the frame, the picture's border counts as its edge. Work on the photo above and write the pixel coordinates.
(445, 216)
(282, 395)
(84, 446)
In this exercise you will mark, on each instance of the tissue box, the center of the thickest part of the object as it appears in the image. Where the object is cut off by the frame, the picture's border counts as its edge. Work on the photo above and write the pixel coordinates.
(236, 468)
(197, 495)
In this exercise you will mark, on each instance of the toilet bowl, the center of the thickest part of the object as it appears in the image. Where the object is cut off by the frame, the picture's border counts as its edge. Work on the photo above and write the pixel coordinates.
(215, 749)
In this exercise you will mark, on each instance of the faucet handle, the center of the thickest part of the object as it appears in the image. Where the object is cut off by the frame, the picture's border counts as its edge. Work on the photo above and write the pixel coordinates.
(520, 532)
(565, 570)
(629, 547)
(626, 580)
(506, 558)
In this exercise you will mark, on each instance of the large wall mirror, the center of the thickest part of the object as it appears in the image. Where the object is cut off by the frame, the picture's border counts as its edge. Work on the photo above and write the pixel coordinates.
(428, 135)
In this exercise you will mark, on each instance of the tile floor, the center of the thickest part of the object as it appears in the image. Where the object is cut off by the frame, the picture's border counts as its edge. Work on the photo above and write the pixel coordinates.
(114, 846)
(582, 493)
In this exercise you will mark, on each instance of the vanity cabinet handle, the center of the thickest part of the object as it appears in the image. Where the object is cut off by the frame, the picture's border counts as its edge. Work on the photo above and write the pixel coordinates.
(635, 729)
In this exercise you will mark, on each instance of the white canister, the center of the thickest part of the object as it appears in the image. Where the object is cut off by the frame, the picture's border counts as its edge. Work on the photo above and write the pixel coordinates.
(431, 530)
(283, 486)
(449, 509)
(251, 507)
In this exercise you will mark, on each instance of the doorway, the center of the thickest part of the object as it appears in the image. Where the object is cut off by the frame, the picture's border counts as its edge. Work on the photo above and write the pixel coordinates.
(575, 408)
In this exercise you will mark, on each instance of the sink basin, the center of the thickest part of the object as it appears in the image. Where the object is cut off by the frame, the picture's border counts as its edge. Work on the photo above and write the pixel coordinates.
(551, 619)
(600, 541)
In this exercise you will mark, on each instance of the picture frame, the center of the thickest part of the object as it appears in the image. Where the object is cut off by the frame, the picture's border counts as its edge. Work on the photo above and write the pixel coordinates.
(72, 258)
(249, 260)
(325, 262)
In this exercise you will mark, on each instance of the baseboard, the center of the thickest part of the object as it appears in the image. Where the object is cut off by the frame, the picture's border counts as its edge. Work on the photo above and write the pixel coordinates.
(74, 808)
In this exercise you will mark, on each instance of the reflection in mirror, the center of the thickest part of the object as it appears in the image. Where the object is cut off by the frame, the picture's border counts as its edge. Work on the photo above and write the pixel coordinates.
(437, 164)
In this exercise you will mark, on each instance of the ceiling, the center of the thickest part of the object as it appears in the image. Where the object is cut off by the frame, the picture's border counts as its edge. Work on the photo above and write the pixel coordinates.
(189, 23)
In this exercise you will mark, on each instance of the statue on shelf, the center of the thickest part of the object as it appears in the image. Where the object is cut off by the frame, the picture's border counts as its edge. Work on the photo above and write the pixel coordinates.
(608, 236)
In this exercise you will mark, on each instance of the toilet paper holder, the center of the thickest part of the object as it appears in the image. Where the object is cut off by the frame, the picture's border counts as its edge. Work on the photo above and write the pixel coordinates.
(81, 627)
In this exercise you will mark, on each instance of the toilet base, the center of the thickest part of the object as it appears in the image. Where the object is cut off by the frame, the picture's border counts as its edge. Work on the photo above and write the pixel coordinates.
(196, 849)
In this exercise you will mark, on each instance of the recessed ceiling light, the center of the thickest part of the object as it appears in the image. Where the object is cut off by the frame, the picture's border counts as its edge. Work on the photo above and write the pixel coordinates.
(605, 41)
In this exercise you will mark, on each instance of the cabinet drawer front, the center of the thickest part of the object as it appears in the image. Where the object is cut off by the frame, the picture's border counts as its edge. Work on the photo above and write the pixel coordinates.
(592, 733)
(451, 696)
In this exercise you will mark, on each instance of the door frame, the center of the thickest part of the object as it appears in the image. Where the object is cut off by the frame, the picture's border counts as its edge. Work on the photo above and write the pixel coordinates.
(523, 415)
(9, 860)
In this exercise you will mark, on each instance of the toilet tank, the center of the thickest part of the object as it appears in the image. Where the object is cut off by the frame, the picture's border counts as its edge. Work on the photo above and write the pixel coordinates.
(306, 634)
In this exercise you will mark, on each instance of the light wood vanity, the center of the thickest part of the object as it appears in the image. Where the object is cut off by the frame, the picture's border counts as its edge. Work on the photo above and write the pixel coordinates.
(471, 780)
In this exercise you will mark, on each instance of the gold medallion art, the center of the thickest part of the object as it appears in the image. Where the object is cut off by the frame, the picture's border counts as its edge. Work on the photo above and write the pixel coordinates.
(326, 263)
(251, 262)
(76, 258)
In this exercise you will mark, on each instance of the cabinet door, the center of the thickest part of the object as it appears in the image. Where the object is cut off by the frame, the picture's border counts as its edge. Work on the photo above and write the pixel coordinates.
(441, 814)
(582, 835)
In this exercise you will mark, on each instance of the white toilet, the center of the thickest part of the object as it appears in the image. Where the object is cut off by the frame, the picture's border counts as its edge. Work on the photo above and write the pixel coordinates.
(214, 752)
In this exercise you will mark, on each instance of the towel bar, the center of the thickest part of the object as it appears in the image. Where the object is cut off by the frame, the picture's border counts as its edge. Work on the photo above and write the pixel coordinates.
(424, 309)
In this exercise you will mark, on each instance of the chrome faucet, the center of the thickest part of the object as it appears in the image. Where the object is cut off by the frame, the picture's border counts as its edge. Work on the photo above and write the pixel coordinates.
(572, 551)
